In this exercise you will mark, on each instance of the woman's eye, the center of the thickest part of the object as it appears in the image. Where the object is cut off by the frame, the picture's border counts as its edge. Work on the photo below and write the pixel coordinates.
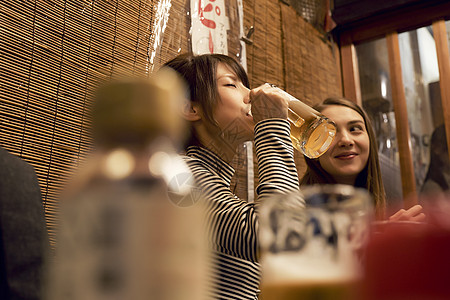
(230, 84)
(356, 128)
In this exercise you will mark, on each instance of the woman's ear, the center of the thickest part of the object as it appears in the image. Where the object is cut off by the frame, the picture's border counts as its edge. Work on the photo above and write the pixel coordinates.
(191, 112)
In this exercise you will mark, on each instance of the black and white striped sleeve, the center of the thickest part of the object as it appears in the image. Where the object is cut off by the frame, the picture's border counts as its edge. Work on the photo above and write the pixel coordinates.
(232, 222)
(275, 154)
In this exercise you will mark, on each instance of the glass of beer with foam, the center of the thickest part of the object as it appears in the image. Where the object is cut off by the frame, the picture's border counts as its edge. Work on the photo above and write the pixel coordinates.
(312, 250)
(311, 132)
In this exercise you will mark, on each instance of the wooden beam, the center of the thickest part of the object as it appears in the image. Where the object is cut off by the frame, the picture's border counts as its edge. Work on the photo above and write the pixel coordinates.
(350, 72)
(440, 37)
(400, 20)
(401, 120)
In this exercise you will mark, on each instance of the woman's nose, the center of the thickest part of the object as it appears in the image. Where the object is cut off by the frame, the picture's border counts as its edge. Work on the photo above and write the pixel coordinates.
(344, 138)
(246, 93)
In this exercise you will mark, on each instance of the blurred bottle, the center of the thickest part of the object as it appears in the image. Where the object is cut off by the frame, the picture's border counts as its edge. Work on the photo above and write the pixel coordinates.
(311, 132)
(129, 223)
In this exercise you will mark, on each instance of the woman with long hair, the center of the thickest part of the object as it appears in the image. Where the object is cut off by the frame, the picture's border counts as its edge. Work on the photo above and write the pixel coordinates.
(353, 157)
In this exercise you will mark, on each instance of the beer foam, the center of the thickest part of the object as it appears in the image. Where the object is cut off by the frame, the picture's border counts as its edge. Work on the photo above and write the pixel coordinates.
(292, 267)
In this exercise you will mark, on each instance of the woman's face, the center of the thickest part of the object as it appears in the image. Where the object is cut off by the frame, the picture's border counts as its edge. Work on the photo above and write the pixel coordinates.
(349, 152)
(233, 110)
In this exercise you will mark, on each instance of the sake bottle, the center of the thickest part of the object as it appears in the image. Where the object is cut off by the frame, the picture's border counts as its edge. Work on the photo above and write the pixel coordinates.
(129, 223)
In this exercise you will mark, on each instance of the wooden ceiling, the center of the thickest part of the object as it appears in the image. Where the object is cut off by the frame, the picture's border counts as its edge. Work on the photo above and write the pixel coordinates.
(362, 20)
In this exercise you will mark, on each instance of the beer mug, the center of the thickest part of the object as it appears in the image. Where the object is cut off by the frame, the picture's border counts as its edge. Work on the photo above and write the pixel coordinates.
(311, 132)
(312, 251)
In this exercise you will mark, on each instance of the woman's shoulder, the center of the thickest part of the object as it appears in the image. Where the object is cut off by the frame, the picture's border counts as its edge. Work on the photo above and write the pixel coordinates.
(199, 166)
(192, 161)
(430, 186)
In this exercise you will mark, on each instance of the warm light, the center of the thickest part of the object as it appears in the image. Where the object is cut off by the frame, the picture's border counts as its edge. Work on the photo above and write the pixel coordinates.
(158, 163)
(118, 164)
(172, 168)
(383, 87)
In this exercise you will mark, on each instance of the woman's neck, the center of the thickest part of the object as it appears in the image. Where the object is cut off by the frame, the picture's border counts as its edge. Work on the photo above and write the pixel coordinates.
(348, 180)
(225, 151)
(215, 142)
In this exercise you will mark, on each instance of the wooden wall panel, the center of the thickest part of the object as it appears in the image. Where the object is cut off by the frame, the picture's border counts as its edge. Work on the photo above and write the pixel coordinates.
(350, 72)
(442, 49)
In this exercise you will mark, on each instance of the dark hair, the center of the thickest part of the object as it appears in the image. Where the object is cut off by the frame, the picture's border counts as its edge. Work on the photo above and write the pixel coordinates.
(438, 157)
(199, 72)
(369, 178)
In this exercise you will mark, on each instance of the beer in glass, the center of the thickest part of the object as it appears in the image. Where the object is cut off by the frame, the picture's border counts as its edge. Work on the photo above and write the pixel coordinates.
(311, 251)
(311, 132)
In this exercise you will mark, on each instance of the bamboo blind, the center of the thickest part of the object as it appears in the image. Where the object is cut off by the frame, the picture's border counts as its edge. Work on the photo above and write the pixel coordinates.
(53, 55)
(311, 61)
(264, 56)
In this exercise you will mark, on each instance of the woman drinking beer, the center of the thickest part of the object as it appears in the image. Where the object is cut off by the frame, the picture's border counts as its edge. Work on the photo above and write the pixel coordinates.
(222, 113)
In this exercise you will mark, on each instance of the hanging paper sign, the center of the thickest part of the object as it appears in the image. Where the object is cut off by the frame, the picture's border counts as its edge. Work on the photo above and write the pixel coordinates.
(209, 27)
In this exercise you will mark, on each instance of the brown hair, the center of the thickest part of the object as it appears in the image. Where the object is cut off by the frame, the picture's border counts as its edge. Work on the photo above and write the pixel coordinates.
(369, 178)
(199, 72)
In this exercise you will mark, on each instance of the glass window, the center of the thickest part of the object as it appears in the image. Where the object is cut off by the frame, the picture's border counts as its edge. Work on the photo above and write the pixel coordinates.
(377, 102)
(421, 82)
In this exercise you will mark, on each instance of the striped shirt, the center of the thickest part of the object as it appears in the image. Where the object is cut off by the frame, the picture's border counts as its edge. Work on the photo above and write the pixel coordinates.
(232, 222)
